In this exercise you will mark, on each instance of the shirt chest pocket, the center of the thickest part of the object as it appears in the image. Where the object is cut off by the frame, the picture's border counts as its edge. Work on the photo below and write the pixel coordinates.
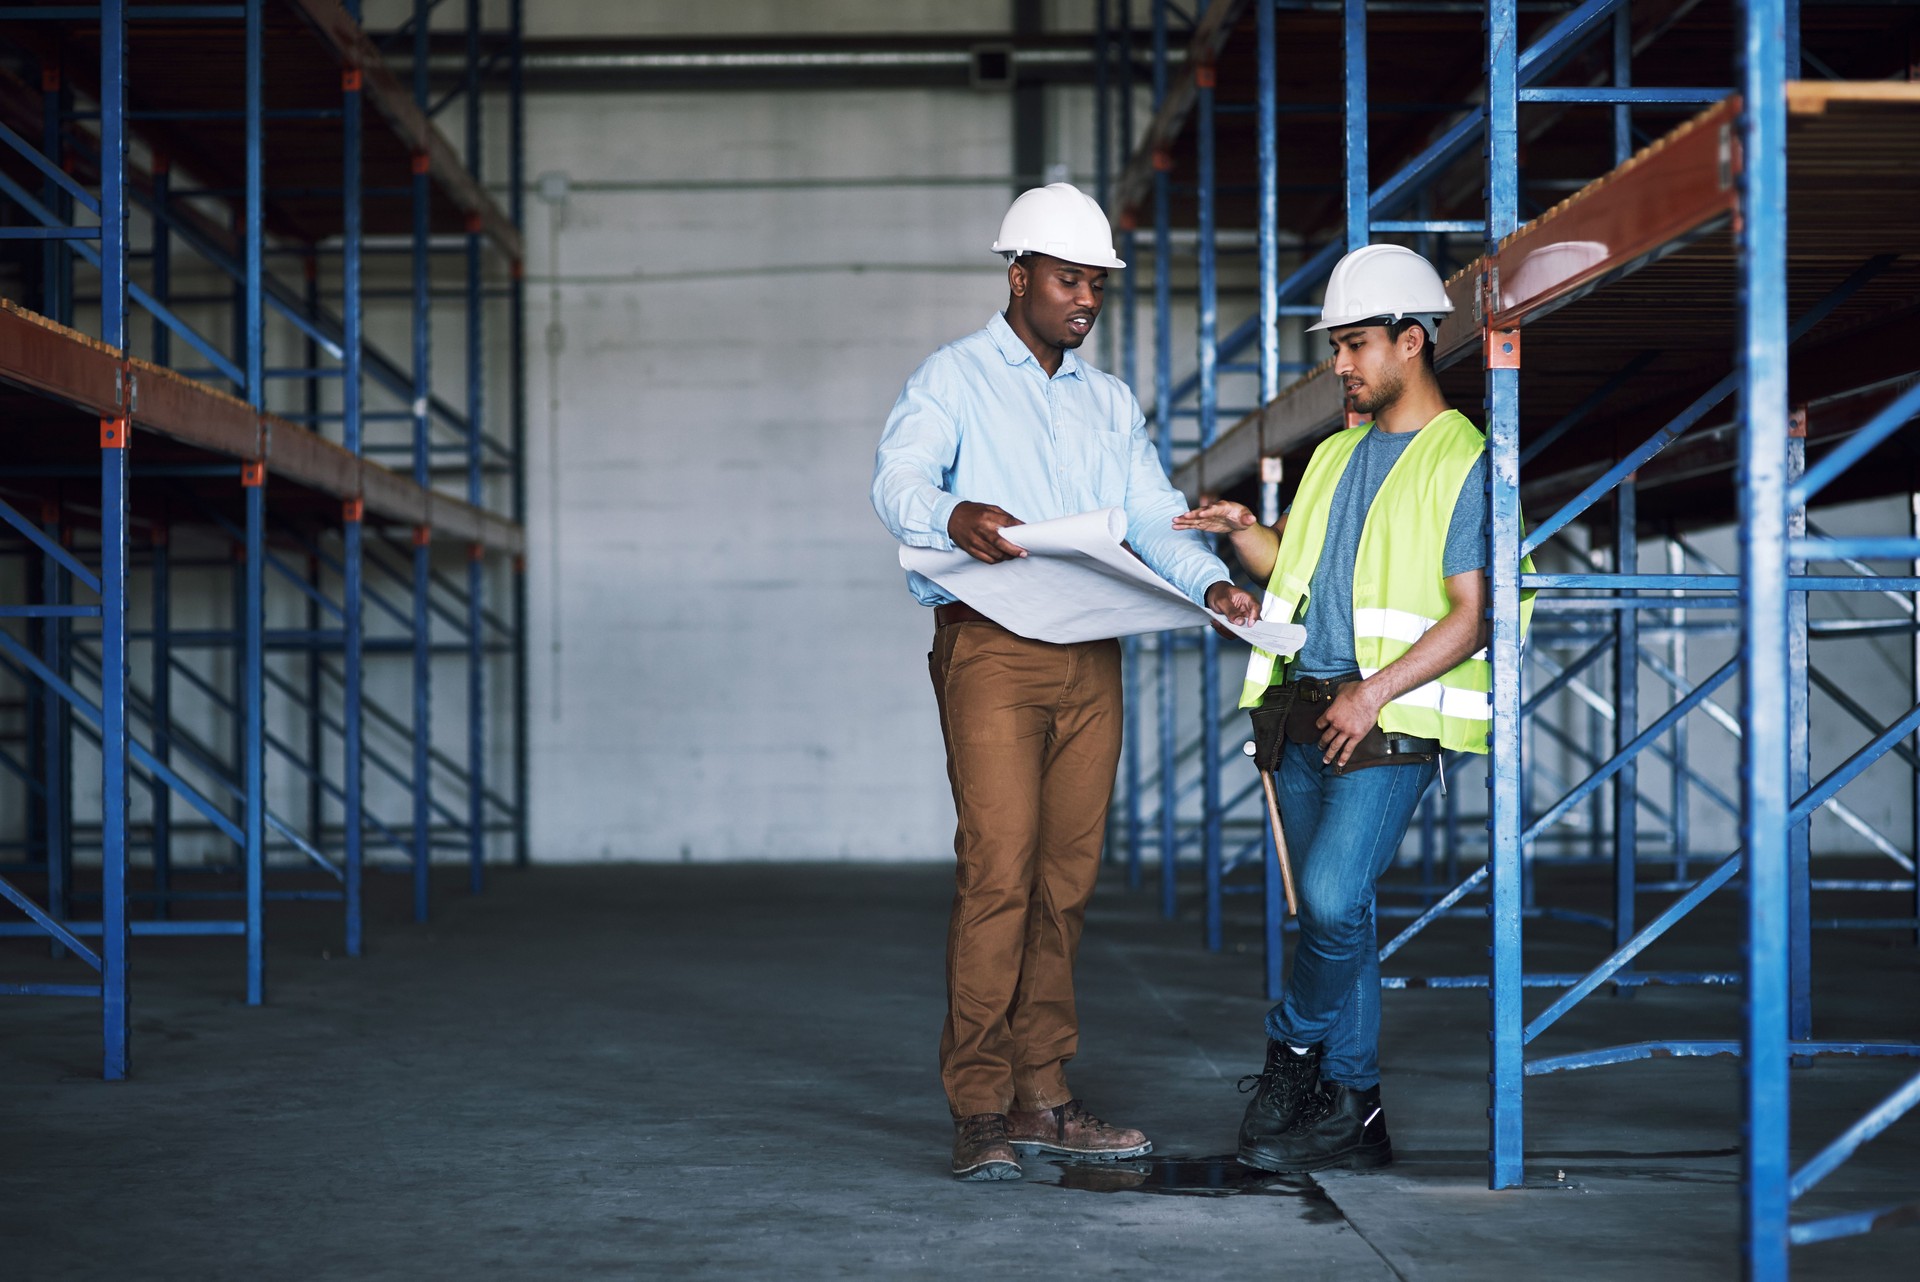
(1090, 464)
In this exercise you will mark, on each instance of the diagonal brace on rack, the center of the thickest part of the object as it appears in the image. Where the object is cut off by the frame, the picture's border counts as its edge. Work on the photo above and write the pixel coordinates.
(36, 536)
(1816, 797)
(154, 306)
(31, 662)
(206, 760)
(60, 933)
(1855, 447)
(1633, 749)
(226, 705)
(1877, 1119)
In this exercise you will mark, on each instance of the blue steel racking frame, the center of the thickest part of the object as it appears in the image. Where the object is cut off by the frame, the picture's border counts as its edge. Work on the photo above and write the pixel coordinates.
(61, 371)
(1769, 592)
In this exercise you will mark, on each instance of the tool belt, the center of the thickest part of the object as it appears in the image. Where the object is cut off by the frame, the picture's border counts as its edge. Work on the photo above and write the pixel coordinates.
(1290, 712)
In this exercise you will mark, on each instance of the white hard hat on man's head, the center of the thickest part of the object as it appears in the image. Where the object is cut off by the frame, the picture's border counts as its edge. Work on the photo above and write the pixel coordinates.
(1387, 281)
(1061, 221)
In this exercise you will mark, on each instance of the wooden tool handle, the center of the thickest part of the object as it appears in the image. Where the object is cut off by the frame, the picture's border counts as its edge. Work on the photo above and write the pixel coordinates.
(1280, 844)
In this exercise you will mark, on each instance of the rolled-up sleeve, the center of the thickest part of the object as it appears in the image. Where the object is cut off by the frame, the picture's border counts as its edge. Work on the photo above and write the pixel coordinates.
(1181, 557)
(911, 468)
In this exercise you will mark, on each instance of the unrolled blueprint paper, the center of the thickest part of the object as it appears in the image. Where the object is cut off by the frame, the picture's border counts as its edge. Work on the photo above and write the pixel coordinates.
(1077, 583)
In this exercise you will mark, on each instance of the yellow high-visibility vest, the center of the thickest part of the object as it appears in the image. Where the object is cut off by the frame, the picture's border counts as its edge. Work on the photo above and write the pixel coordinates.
(1399, 588)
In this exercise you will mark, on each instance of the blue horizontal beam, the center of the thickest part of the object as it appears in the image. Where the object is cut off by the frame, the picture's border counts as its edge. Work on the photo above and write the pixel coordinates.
(1859, 549)
(1537, 979)
(1610, 95)
(50, 990)
(134, 12)
(49, 233)
(1720, 582)
(91, 929)
(1690, 1049)
(49, 611)
(1416, 225)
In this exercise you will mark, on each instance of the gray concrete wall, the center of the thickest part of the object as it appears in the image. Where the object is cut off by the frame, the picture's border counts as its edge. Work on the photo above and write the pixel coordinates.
(726, 663)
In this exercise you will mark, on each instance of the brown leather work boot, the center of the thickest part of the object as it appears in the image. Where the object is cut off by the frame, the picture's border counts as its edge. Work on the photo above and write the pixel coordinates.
(1072, 1130)
(980, 1148)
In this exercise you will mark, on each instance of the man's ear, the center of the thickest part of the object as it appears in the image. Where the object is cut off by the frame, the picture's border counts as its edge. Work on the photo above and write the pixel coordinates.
(1413, 340)
(1017, 278)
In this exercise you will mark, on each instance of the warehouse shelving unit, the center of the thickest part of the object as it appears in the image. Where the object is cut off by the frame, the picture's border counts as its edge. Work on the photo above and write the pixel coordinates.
(250, 456)
(1714, 336)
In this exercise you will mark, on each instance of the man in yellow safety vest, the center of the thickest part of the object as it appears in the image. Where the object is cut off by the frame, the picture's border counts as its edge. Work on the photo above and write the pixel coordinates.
(1382, 557)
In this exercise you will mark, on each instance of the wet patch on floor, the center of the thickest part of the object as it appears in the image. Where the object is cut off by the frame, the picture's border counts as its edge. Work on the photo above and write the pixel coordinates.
(1185, 1177)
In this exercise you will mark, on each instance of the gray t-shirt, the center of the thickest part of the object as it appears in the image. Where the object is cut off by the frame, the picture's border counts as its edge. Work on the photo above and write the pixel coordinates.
(1329, 617)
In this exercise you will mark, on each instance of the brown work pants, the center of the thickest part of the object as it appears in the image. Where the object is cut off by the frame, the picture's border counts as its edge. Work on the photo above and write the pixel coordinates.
(1033, 736)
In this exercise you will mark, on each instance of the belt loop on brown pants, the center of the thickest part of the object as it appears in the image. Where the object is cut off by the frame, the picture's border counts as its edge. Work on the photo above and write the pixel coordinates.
(1032, 734)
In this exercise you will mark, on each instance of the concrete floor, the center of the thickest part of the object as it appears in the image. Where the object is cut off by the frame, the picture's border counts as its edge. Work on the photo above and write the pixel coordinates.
(728, 1072)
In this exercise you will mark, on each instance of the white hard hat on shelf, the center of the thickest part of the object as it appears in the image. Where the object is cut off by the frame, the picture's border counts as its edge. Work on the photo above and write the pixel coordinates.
(1061, 221)
(1384, 281)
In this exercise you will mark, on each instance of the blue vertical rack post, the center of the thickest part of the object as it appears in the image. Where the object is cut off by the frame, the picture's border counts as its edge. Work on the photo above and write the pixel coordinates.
(1132, 651)
(353, 510)
(1506, 1071)
(254, 481)
(1765, 747)
(517, 295)
(1266, 154)
(114, 439)
(1166, 672)
(422, 263)
(476, 482)
(1207, 288)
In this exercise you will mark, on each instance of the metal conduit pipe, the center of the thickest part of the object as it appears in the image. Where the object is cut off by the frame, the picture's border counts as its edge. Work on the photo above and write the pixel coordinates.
(979, 61)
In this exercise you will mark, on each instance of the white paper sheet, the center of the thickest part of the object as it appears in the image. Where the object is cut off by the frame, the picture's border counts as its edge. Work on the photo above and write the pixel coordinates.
(1077, 583)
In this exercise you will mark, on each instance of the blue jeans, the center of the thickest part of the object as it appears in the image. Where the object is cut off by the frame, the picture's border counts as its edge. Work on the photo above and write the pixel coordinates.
(1342, 833)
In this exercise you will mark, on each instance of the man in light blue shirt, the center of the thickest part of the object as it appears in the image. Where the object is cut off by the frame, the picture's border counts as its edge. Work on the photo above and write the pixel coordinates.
(1004, 426)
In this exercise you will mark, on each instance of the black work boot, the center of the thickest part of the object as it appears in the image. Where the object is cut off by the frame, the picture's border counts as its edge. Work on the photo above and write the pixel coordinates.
(1278, 1091)
(1338, 1126)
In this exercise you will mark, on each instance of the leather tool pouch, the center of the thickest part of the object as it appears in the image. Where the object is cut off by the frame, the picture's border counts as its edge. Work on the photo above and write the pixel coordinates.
(1270, 726)
(1291, 712)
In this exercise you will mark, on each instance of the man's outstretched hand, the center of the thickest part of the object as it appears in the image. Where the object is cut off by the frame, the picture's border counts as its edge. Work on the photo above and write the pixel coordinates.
(975, 529)
(1219, 517)
(1236, 603)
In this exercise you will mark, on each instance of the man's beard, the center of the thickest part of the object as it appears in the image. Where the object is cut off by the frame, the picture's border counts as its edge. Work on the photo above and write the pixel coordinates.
(1379, 397)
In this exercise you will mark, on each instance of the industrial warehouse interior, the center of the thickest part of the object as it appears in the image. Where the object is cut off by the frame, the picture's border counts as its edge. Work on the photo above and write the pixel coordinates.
(472, 800)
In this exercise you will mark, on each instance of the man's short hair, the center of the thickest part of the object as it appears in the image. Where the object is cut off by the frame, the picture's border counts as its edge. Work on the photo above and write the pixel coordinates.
(1395, 328)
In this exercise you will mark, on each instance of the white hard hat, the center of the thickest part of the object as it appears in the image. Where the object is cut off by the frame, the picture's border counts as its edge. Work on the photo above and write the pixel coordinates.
(1384, 281)
(1061, 221)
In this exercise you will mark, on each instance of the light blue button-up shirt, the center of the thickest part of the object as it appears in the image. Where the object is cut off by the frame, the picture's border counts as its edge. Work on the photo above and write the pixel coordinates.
(981, 422)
